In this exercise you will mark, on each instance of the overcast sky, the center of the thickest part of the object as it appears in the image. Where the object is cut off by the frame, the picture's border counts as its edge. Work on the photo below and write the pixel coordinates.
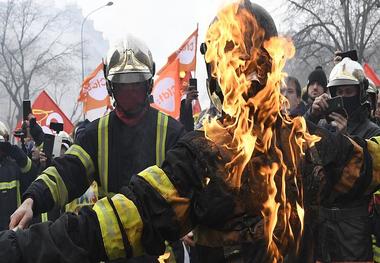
(163, 24)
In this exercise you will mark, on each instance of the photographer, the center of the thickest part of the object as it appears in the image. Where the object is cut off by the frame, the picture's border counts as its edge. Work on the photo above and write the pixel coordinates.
(16, 174)
(347, 215)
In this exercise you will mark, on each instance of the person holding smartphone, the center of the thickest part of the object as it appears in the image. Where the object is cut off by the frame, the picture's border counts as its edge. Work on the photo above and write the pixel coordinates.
(348, 81)
(186, 111)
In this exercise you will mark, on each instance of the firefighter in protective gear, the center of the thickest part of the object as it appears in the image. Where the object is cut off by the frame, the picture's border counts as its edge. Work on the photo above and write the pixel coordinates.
(340, 215)
(129, 139)
(191, 188)
(16, 173)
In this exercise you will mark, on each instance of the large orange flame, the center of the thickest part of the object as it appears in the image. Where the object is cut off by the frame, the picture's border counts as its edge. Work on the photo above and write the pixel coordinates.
(254, 119)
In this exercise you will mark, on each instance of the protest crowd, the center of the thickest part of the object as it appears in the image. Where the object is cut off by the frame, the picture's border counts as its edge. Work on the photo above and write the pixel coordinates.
(274, 170)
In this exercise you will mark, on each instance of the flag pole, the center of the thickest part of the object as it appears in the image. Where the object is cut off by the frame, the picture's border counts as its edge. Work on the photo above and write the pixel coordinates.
(196, 50)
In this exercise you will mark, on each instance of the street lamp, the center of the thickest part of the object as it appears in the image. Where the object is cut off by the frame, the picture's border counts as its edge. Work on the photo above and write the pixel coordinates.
(81, 33)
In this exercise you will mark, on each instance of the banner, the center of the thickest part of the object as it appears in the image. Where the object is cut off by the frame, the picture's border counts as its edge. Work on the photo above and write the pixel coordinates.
(370, 73)
(47, 111)
(166, 90)
(94, 95)
(186, 54)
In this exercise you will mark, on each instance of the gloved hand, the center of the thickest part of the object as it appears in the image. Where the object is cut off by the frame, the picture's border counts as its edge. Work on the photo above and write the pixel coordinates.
(18, 155)
(333, 148)
(9, 252)
(5, 148)
(36, 131)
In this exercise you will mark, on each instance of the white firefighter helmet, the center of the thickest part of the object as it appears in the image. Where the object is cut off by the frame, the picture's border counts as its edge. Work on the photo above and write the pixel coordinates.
(129, 60)
(346, 72)
(67, 141)
(349, 73)
(4, 134)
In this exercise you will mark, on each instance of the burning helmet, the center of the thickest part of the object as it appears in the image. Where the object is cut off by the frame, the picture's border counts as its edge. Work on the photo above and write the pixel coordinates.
(129, 60)
(4, 135)
(349, 72)
(266, 23)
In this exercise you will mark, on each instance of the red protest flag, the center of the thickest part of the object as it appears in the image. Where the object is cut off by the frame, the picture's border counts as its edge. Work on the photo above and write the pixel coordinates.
(370, 73)
(47, 111)
(166, 90)
(186, 54)
(94, 93)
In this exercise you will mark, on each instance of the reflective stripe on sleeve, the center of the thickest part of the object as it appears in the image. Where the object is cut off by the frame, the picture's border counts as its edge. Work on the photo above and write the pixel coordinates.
(131, 220)
(157, 178)
(57, 187)
(44, 217)
(112, 238)
(85, 159)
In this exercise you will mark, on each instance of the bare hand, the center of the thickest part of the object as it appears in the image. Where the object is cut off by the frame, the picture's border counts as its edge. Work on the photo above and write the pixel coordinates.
(337, 59)
(43, 160)
(188, 239)
(23, 215)
(339, 121)
(192, 94)
(31, 116)
(320, 105)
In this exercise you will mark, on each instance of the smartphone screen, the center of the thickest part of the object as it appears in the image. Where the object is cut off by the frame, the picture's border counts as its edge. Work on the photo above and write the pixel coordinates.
(26, 109)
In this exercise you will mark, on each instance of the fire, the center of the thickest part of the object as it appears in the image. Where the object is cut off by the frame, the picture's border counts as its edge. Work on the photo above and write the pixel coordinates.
(254, 123)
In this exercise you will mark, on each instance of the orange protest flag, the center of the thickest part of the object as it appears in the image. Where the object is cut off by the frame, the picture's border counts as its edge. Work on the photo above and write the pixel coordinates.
(94, 93)
(186, 54)
(166, 90)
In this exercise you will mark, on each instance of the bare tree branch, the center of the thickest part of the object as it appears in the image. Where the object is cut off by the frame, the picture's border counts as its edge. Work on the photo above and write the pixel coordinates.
(30, 44)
